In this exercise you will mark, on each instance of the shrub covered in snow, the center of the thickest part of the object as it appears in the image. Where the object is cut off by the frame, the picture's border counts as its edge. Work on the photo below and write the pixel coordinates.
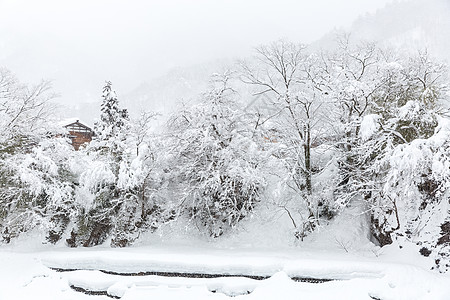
(37, 189)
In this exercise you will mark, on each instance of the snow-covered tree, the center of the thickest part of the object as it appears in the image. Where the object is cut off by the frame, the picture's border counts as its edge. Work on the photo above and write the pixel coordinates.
(142, 183)
(108, 151)
(399, 108)
(112, 128)
(357, 80)
(37, 189)
(119, 186)
(295, 88)
(407, 114)
(36, 183)
(215, 160)
(24, 112)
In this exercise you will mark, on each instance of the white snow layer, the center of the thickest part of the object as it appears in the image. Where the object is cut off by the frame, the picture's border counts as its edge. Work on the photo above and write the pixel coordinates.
(25, 275)
(369, 125)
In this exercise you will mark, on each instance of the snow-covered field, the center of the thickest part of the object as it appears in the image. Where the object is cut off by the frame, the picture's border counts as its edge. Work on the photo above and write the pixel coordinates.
(387, 275)
(341, 253)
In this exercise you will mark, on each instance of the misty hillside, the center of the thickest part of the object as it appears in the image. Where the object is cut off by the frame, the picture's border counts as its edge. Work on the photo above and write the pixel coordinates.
(180, 84)
(161, 94)
(416, 24)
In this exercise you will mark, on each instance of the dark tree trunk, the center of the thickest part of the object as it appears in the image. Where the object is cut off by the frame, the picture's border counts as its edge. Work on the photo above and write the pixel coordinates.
(307, 147)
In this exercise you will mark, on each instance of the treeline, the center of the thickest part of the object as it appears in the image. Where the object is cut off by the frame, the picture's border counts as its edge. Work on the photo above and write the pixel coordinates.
(311, 132)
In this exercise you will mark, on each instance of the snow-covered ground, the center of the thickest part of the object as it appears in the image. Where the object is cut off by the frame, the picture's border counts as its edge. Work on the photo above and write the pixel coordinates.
(26, 275)
(339, 252)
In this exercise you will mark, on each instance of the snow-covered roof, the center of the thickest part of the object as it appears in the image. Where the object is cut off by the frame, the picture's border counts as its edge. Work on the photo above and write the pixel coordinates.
(68, 121)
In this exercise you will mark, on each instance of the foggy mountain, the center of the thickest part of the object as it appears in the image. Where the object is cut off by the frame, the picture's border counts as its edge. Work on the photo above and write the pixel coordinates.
(180, 84)
(413, 25)
(161, 94)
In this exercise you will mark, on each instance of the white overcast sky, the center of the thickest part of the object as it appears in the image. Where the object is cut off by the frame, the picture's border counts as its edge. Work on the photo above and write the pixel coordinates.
(79, 44)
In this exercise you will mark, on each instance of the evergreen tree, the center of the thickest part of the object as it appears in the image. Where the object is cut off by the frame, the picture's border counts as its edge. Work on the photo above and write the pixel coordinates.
(108, 150)
(111, 130)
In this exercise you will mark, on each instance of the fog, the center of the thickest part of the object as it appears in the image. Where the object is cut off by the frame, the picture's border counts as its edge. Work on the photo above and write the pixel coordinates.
(80, 44)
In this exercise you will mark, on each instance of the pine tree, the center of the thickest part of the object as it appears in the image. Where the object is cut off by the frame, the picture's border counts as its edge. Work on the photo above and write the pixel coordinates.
(111, 130)
(108, 151)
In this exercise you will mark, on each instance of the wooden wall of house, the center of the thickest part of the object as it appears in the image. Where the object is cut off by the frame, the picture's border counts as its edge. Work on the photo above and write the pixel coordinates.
(79, 138)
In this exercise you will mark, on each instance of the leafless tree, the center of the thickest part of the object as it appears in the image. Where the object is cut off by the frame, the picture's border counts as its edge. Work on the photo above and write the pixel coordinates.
(23, 107)
(295, 86)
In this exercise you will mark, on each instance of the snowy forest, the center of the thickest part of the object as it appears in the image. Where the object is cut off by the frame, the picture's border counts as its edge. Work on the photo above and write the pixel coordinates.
(293, 131)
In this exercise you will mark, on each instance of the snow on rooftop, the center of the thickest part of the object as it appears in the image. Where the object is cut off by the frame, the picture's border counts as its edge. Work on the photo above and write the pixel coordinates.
(69, 121)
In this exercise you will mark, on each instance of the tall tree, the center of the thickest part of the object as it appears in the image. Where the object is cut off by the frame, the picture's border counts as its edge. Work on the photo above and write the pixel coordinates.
(108, 152)
(111, 129)
(295, 87)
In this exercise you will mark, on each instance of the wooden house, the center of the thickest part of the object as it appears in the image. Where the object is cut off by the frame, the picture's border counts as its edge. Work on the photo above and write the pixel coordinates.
(79, 134)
